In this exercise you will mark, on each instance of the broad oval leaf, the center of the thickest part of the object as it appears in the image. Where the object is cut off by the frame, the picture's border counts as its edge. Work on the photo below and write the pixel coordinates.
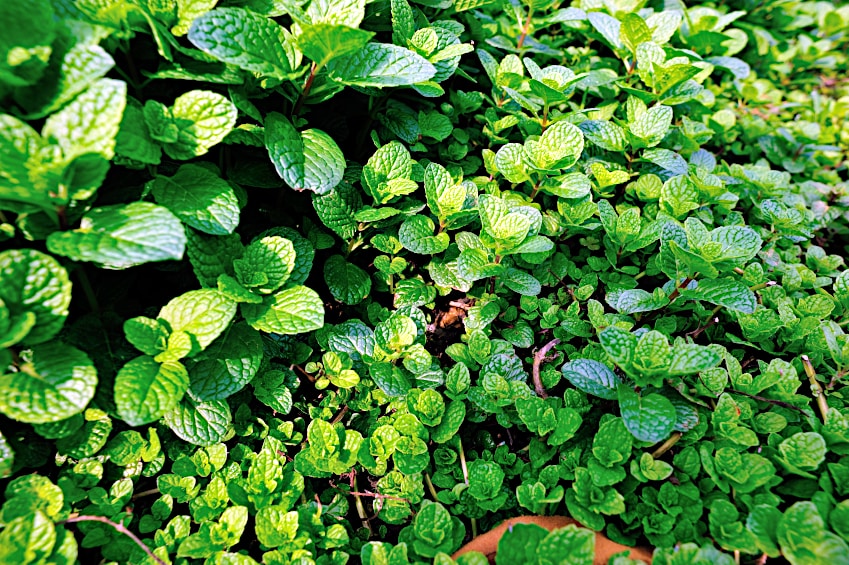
(53, 382)
(592, 377)
(416, 234)
(309, 160)
(381, 64)
(146, 390)
(123, 236)
(347, 282)
(291, 311)
(202, 314)
(200, 423)
(226, 366)
(36, 284)
(200, 198)
(650, 418)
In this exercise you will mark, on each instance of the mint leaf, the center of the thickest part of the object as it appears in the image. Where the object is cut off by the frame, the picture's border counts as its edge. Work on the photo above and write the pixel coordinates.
(200, 423)
(416, 234)
(227, 365)
(651, 127)
(33, 284)
(381, 64)
(53, 382)
(291, 311)
(90, 122)
(649, 418)
(146, 390)
(200, 198)
(123, 236)
(266, 264)
(347, 282)
(592, 377)
(202, 314)
(309, 160)
(324, 42)
(246, 39)
(606, 135)
(202, 119)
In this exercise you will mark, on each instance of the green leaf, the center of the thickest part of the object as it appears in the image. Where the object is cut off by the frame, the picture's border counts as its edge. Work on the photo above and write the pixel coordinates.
(634, 31)
(53, 382)
(275, 526)
(381, 64)
(347, 12)
(636, 300)
(444, 197)
(389, 163)
(227, 365)
(309, 160)
(347, 282)
(728, 292)
(291, 311)
(202, 314)
(200, 198)
(519, 544)
(649, 418)
(146, 390)
(33, 285)
(416, 234)
(203, 119)
(689, 358)
(562, 144)
(572, 544)
(200, 423)
(571, 185)
(652, 126)
(592, 377)
(246, 39)
(604, 134)
(123, 236)
(25, 50)
(510, 160)
(90, 122)
(324, 42)
(266, 264)
(27, 539)
(619, 344)
(336, 209)
(804, 450)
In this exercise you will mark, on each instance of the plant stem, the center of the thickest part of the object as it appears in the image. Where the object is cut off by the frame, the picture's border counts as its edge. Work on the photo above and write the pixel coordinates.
(678, 288)
(463, 462)
(430, 487)
(769, 400)
(665, 446)
(145, 493)
(307, 87)
(525, 29)
(361, 511)
(119, 527)
(539, 357)
(816, 389)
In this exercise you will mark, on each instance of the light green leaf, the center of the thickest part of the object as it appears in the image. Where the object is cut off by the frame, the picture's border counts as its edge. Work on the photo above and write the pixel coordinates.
(619, 344)
(650, 418)
(309, 160)
(604, 134)
(634, 31)
(89, 123)
(53, 382)
(336, 209)
(200, 423)
(728, 292)
(291, 311)
(202, 314)
(635, 300)
(690, 358)
(200, 198)
(344, 12)
(563, 144)
(416, 234)
(246, 39)
(444, 197)
(203, 119)
(123, 236)
(324, 42)
(33, 284)
(520, 281)
(145, 390)
(608, 27)
(275, 526)
(347, 282)
(266, 264)
(652, 126)
(381, 64)
(510, 161)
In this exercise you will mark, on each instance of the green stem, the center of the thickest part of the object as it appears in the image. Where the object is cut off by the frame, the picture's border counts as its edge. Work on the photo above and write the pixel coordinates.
(816, 389)
(430, 488)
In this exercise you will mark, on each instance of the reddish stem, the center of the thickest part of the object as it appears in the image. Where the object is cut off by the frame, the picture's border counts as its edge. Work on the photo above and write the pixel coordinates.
(120, 528)
(539, 357)
(306, 91)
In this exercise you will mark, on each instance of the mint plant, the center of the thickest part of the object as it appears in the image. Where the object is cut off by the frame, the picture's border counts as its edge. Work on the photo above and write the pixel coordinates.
(337, 282)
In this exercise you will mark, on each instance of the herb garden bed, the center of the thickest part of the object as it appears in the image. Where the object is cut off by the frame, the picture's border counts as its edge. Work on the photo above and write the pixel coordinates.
(328, 281)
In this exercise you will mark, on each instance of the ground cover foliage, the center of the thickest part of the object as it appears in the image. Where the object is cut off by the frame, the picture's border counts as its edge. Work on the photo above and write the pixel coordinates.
(335, 281)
